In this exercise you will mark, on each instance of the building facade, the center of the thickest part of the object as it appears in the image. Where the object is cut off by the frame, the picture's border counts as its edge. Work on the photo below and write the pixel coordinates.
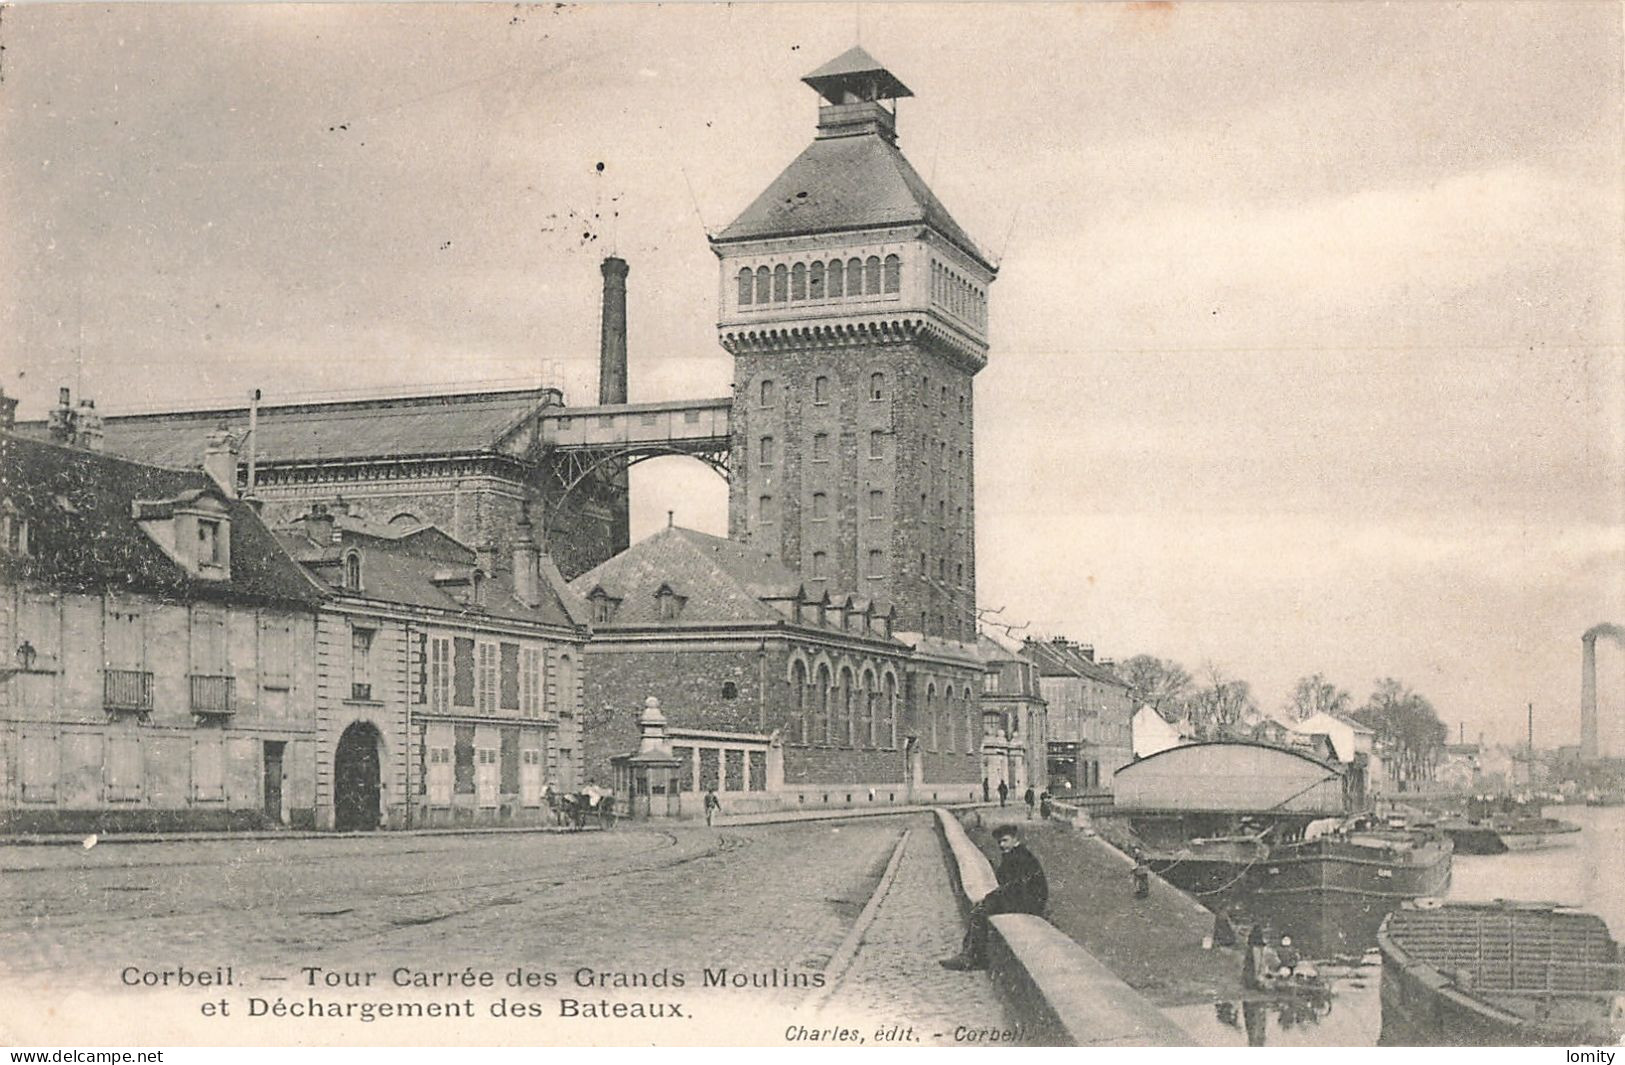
(448, 681)
(1090, 715)
(160, 648)
(774, 695)
(1015, 726)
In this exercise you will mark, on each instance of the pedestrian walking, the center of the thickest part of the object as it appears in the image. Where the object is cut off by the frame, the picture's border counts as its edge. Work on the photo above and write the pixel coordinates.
(1004, 792)
(1022, 889)
(1044, 805)
(1142, 878)
(1031, 797)
(712, 805)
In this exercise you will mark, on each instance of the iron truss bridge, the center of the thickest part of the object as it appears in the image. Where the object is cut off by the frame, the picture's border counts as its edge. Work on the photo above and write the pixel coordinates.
(586, 443)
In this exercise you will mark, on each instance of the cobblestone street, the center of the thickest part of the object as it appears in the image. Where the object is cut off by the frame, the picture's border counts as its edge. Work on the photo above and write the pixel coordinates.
(895, 978)
(769, 903)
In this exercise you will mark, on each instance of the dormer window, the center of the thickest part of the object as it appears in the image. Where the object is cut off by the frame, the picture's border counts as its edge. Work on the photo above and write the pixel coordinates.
(352, 571)
(668, 603)
(208, 543)
(602, 606)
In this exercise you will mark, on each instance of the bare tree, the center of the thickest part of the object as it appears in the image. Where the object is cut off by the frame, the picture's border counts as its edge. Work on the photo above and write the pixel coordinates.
(1408, 730)
(1161, 685)
(1217, 707)
(1314, 695)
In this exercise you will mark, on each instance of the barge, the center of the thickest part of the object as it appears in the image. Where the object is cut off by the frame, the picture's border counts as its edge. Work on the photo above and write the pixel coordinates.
(1498, 974)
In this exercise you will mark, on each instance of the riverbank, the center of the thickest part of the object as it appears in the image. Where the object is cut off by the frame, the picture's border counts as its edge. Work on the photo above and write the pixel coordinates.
(1153, 944)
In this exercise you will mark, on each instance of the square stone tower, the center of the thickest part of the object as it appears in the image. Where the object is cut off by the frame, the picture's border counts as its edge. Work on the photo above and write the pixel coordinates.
(855, 308)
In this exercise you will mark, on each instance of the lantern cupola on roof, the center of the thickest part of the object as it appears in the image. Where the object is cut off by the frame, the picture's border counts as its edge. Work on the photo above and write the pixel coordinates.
(854, 87)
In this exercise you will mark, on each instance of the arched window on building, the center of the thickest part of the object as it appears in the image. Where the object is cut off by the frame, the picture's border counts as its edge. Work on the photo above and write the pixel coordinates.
(764, 510)
(866, 732)
(820, 389)
(352, 571)
(747, 278)
(833, 282)
(950, 706)
(815, 281)
(871, 276)
(767, 391)
(854, 277)
(798, 682)
(765, 451)
(843, 734)
(798, 282)
(970, 720)
(820, 562)
(890, 704)
(894, 274)
(781, 283)
(877, 386)
(821, 727)
(931, 714)
(764, 284)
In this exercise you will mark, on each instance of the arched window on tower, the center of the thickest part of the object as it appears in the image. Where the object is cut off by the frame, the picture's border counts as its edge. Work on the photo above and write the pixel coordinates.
(854, 277)
(747, 278)
(766, 451)
(767, 391)
(798, 282)
(877, 386)
(835, 271)
(815, 281)
(894, 274)
(764, 284)
(781, 283)
(871, 276)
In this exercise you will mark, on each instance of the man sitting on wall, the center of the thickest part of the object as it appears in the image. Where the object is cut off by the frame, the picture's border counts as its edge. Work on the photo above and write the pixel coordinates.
(1022, 889)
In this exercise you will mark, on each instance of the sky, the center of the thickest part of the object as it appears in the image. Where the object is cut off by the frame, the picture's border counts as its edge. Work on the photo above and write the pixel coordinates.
(1308, 338)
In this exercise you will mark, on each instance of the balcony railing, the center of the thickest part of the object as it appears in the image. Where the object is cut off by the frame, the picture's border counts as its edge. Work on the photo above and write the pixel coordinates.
(127, 689)
(211, 694)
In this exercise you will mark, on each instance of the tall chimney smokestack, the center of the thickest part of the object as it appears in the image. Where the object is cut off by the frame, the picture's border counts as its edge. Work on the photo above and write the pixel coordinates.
(612, 390)
(612, 340)
(1588, 697)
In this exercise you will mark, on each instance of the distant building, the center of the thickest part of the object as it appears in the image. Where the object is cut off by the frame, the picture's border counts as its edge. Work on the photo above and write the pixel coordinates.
(448, 681)
(1015, 722)
(1152, 732)
(1089, 708)
(159, 649)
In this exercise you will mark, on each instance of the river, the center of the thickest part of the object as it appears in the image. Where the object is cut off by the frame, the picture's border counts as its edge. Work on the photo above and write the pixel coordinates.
(1585, 874)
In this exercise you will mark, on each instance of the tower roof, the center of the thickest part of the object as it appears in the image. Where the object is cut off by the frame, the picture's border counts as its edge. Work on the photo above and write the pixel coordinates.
(855, 69)
(846, 183)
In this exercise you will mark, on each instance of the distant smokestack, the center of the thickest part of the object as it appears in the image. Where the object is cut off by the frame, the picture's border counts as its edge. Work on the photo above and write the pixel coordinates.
(220, 461)
(612, 340)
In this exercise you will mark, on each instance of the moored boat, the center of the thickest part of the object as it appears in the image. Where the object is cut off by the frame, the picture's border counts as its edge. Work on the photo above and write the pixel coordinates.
(1498, 835)
(1497, 974)
(1331, 893)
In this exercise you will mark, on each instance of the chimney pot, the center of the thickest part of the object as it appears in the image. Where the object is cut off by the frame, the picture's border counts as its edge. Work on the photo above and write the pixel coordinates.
(220, 461)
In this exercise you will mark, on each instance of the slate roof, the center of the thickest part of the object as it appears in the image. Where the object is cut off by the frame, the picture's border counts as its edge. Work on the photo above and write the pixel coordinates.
(404, 570)
(83, 536)
(722, 581)
(408, 427)
(843, 183)
(1056, 659)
